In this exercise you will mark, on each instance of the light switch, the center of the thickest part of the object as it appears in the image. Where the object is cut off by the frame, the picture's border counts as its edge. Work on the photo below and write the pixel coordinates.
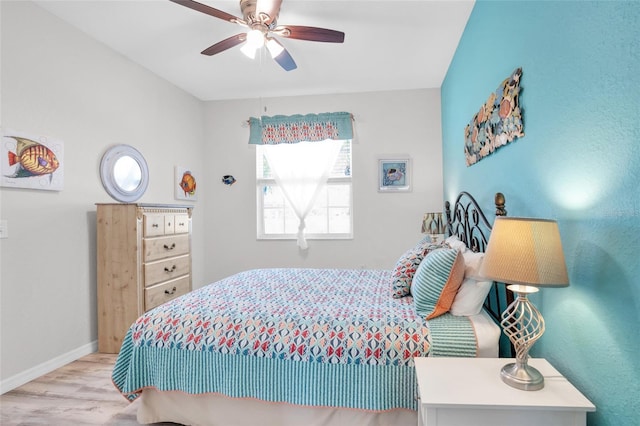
(4, 229)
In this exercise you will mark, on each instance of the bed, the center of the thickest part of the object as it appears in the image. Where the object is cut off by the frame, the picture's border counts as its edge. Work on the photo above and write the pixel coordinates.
(290, 346)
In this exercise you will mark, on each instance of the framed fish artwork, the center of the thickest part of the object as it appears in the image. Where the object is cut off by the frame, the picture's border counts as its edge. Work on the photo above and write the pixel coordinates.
(394, 174)
(31, 161)
(184, 183)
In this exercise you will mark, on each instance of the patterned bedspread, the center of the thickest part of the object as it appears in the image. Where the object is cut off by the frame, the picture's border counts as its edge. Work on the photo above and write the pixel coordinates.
(321, 337)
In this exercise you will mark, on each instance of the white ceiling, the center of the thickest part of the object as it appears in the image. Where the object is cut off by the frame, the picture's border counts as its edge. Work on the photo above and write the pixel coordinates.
(389, 45)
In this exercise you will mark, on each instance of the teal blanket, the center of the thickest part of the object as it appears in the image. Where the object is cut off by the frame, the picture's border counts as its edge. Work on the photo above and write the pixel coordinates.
(318, 337)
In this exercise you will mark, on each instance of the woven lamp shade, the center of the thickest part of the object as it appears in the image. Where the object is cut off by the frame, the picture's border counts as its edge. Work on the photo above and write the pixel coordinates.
(432, 223)
(525, 251)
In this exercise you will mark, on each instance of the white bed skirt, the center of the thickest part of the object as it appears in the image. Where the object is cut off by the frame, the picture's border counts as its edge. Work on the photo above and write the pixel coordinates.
(218, 410)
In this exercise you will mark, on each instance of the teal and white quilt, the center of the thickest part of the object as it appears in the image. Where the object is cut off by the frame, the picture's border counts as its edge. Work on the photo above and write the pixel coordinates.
(318, 337)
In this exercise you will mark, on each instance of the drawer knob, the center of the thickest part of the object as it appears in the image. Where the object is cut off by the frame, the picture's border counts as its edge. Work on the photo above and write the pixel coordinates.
(170, 292)
(170, 247)
(155, 225)
(167, 270)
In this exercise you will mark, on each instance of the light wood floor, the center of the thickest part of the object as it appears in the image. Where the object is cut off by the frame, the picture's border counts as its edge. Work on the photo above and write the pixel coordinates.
(80, 393)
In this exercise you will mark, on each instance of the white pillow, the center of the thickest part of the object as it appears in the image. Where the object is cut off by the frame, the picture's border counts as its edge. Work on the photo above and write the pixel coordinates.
(455, 243)
(473, 290)
(472, 264)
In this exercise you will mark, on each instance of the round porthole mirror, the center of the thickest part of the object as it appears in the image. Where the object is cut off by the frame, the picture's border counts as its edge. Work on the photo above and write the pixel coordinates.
(124, 173)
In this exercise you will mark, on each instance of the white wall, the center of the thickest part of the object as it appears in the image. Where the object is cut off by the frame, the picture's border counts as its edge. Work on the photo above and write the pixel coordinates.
(58, 82)
(385, 224)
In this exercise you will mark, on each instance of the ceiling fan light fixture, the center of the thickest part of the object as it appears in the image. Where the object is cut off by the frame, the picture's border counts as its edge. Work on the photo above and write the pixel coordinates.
(254, 42)
(255, 39)
(249, 51)
(274, 47)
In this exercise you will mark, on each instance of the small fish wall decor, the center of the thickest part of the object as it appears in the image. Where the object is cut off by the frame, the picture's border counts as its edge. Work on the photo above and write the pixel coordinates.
(228, 180)
(188, 183)
(185, 184)
(32, 162)
(498, 122)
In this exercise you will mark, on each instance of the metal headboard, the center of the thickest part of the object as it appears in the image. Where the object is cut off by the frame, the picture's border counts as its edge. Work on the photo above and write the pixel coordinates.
(470, 224)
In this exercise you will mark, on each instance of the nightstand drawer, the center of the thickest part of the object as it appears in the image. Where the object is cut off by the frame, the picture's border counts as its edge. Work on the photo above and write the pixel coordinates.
(163, 247)
(161, 293)
(162, 270)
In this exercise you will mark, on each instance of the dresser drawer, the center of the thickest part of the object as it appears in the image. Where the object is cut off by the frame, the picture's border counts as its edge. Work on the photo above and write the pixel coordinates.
(161, 293)
(169, 224)
(181, 224)
(163, 247)
(162, 270)
(158, 224)
(153, 225)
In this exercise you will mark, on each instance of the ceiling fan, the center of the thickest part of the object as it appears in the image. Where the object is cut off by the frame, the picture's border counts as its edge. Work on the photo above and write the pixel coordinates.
(260, 19)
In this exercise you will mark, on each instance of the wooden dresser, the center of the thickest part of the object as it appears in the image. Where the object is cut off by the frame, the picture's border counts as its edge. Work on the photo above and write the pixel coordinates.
(143, 260)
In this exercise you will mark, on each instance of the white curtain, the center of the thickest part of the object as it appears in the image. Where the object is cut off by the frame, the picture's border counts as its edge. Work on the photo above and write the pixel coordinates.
(301, 170)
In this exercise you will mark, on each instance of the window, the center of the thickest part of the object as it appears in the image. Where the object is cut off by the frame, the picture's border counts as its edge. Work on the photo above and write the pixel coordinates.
(330, 215)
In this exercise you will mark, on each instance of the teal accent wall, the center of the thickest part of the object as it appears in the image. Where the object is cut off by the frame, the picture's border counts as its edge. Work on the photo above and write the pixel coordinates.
(578, 163)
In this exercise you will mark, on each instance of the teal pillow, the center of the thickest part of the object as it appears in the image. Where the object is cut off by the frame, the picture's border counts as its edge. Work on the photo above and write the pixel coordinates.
(437, 281)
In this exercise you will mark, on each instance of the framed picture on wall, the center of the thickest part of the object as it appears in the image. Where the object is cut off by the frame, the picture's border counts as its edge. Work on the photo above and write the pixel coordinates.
(184, 184)
(394, 174)
(31, 161)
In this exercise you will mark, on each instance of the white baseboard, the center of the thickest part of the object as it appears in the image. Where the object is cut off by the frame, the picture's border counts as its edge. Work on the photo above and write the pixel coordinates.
(47, 367)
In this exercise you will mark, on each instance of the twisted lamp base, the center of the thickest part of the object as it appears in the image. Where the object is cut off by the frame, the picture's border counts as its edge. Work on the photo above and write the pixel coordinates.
(523, 324)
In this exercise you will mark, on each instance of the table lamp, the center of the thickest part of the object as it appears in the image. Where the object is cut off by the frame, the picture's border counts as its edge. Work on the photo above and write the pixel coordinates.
(525, 254)
(433, 225)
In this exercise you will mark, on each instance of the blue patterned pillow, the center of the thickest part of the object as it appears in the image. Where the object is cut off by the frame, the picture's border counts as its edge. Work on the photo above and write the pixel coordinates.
(407, 265)
(437, 281)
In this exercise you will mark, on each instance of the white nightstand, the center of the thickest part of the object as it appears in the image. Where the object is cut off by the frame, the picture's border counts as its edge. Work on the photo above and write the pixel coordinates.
(469, 392)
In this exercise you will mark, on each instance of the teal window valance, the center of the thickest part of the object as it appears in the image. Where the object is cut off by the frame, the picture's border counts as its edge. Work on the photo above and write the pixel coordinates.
(300, 128)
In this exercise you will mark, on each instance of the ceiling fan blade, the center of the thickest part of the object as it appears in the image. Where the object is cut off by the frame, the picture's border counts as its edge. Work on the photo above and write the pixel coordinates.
(225, 44)
(208, 10)
(285, 60)
(310, 33)
(270, 8)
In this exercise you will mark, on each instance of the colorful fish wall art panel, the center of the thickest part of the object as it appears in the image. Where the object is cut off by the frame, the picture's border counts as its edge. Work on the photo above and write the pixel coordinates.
(498, 122)
(31, 162)
(185, 184)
